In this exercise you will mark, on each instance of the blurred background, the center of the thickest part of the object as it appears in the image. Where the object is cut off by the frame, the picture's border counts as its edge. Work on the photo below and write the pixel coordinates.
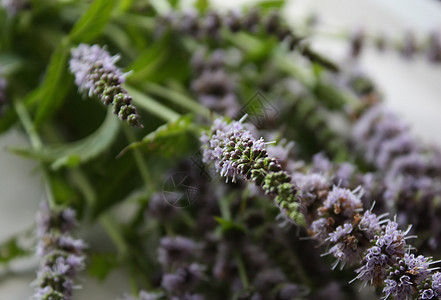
(411, 87)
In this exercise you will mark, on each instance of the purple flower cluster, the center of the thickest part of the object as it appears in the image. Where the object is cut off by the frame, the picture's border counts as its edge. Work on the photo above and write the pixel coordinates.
(181, 274)
(95, 72)
(174, 250)
(211, 24)
(234, 151)
(411, 173)
(389, 145)
(334, 216)
(212, 85)
(183, 279)
(143, 295)
(61, 255)
(13, 6)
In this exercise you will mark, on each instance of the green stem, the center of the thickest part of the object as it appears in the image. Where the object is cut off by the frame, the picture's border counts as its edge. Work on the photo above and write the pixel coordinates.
(151, 105)
(36, 143)
(303, 75)
(225, 213)
(176, 98)
(241, 268)
(28, 125)
(140, 161)
(84, 185)
(147, 23)
(106, 221)
(109, 225)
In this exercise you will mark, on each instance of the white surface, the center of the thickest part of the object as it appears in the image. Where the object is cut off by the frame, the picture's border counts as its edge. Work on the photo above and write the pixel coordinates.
(412, 89)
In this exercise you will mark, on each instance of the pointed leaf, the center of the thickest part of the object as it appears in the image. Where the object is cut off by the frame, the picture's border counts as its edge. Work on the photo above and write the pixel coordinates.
(93, 21)
(54, 86)
(101, 264)
(228, 225)
(10, 250)
(77, 152)
(168, 138)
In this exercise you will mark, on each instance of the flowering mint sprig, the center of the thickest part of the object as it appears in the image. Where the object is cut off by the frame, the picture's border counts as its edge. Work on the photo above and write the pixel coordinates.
(333, 215)
(61, 255)
(234, 151)
(357, 237)
(411, 172)
(95, 71)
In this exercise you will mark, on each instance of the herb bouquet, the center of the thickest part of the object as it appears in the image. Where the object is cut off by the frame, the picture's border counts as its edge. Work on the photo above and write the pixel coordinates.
(204, 146)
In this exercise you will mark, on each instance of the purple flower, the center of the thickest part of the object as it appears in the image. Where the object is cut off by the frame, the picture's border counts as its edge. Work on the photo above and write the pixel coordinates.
(188, 296)
(399, 145)
(13, 6)
(174, 250)
(161, 209)
(95, 72)
(405, 276)
(436, 282)
(434, 50)
(342, 201)
(234, 151)
(339, 232)
(312, 187)
(401, 289)
(143, 295)
(268, 279)
(320, 163)
(343, 175)
(64, 220)
(388, 246)
(319, 229)
(392, 240)
(370, 224)
(183, 279)
(289, 291)
(61, 255)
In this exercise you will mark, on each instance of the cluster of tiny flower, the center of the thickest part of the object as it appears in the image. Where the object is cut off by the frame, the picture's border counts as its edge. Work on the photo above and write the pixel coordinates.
(12, 7)
(354, 237)
(214, 88)
(143, 295)
(408, 46)
(61, 255)
(95, 72)
(335, 217)
(234, 151)
(180, 276)
(210, 24)
(411, 172)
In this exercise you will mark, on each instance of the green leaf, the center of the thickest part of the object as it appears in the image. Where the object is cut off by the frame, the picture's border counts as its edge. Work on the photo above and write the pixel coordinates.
(254, 47)
(271, 4)
(160, 6)
(167, 139)
(77, 152)
(10, 250)
(229, 226)
(54, 86)
(331, 96)
(101, 264)
(202, 5)
(149, 61)
(9, 63)
(10, 116)
(93, 21)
